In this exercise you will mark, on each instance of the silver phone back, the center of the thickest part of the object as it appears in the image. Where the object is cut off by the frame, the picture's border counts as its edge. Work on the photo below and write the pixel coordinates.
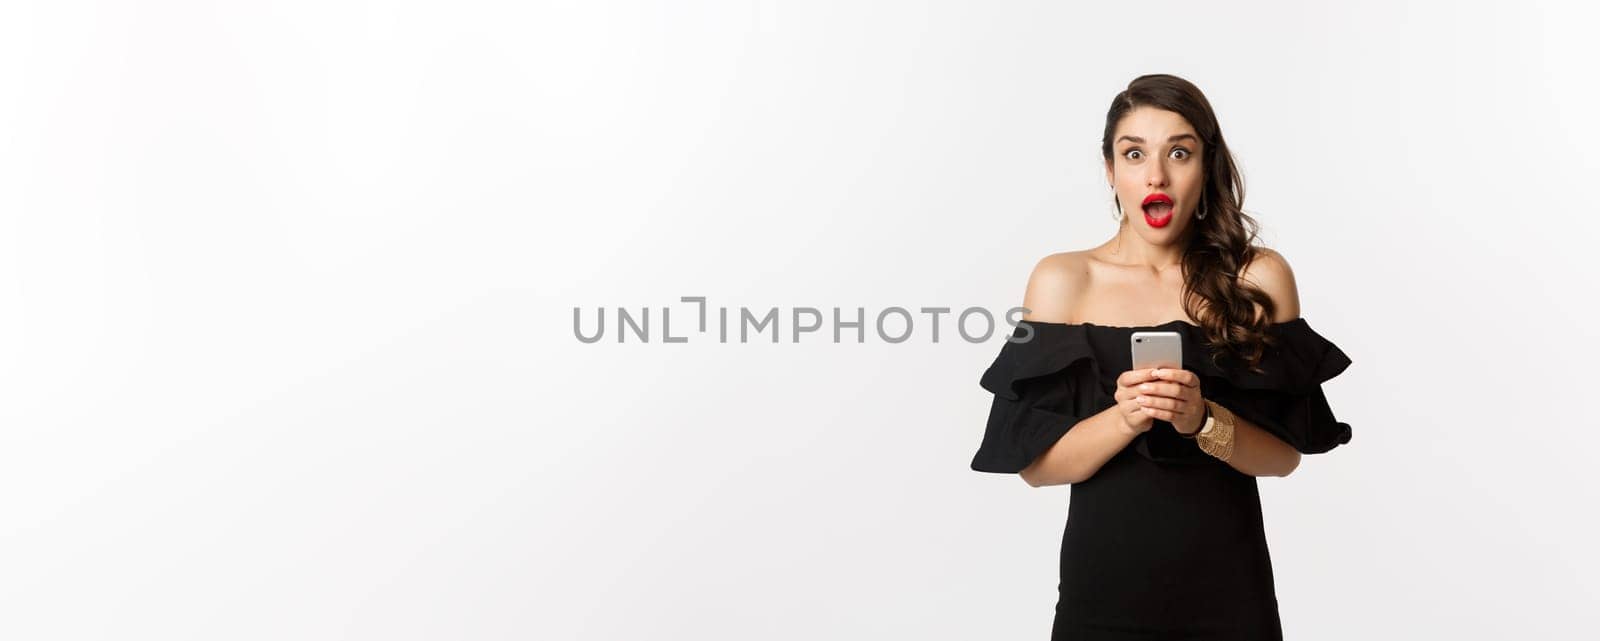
(1157, 349)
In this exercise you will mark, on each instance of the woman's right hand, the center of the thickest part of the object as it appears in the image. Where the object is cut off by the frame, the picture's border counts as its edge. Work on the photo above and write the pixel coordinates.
(1134, 419)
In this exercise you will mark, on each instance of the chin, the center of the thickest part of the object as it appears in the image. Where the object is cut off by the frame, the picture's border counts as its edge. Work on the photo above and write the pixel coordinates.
(1162, 235)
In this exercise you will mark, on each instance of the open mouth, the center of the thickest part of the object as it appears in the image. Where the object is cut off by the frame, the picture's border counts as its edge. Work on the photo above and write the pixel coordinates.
(1157, 209)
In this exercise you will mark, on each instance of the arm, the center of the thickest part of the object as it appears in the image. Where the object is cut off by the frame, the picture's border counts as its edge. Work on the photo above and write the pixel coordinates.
(1256, 451)
(1055, 282)
(1082, 450)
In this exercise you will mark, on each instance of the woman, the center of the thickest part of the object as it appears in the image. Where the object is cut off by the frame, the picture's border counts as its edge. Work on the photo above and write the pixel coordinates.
(1164, 535)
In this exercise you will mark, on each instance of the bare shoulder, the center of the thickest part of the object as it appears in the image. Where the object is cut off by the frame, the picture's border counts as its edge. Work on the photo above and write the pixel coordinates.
(1054, 286)
(1270, 271)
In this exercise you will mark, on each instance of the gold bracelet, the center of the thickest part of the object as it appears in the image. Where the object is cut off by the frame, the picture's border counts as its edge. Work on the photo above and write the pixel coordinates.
(1218, 441)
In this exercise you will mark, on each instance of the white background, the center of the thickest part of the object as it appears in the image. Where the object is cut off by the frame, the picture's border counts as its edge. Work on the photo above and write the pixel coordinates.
(286, 297)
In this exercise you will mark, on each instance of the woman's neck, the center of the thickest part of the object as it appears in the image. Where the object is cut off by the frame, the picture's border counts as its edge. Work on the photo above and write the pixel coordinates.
(1128, 249)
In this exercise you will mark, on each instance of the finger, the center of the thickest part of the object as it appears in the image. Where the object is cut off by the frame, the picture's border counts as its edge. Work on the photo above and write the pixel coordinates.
(1154, 402)
(1170, 414)
(1179, 376)
(1158, 388)
(1158, 413)
(1131, 405)
(1134, 377)
(1176, 405)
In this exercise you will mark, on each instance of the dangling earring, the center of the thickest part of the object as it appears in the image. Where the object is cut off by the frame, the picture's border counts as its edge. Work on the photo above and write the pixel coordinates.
(1202, 214)
(1118, 204)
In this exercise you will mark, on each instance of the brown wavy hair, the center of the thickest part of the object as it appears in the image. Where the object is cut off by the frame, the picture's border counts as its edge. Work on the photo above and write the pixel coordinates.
(1222, 244)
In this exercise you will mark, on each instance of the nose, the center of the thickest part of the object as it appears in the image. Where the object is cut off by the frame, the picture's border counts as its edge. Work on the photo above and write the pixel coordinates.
(1156, 175)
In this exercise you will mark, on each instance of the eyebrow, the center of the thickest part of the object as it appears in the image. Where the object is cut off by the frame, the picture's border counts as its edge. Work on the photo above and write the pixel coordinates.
(1176, 138)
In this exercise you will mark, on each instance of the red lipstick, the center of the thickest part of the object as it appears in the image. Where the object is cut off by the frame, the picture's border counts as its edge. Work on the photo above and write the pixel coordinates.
(1157, 209)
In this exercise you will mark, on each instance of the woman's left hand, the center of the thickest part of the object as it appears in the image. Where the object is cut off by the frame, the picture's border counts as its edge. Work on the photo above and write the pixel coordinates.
(1174, 398)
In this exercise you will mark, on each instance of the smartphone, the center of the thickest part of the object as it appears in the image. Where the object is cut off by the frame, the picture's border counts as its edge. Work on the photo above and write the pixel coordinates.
(1157, 349)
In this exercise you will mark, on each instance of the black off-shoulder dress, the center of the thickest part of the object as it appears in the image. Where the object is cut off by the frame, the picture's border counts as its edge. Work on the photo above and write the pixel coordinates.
(1164, 541)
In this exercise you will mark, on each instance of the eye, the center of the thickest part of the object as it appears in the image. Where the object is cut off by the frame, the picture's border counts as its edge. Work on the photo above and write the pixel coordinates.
(1180, 150)
(1129, 154)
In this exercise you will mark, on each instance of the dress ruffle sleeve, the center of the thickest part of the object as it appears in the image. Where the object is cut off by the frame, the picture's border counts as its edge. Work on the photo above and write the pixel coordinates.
(1044, 381)
(1286, 398)
(1047, 378)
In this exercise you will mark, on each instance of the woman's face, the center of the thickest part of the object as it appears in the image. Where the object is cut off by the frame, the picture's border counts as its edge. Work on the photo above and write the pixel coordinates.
(1156, 152)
